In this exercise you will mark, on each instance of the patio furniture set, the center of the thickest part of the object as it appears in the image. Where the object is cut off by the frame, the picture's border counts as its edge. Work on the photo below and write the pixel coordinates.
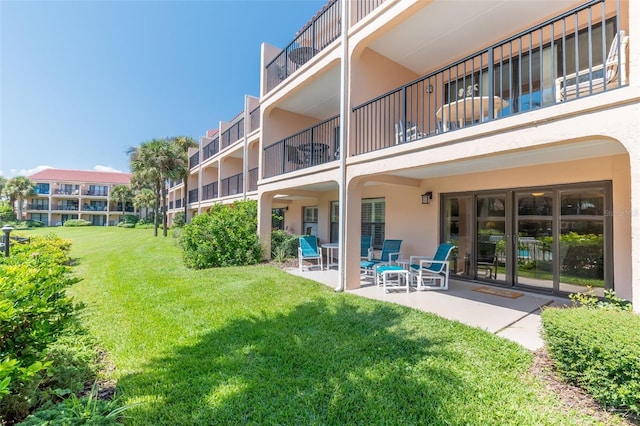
(388, 270)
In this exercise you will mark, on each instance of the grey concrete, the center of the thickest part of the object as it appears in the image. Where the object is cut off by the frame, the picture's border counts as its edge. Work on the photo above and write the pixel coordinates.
(514, 319)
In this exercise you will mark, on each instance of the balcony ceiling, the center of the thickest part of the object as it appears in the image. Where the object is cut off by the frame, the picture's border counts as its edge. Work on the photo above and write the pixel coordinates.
(319, 98)
(509, 160)
(444, 29)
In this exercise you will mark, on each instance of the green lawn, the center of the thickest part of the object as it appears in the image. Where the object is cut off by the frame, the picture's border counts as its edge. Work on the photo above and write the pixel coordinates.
(255, 345)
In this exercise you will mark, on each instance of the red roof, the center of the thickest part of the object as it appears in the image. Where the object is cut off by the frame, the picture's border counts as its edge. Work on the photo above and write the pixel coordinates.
(84, 176)
(212, 133)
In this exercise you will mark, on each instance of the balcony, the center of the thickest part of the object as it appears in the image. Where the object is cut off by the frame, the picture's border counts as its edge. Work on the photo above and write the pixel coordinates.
(311, 147)
(231, 185)
(210, 191)
(193, 195)
(37, 206)
(254, 119)
(323, 29)
(194, 160)
(556, 61)
(253, 179)
(211, 149)
(232, 134)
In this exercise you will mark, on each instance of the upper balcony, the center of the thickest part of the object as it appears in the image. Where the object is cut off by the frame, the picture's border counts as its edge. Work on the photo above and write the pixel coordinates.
(577, 53)
(311, 39)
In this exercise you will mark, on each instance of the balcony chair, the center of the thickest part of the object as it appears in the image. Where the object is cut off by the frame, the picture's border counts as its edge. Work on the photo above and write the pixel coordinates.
(595, 79)
(432, 272)
(412, 132)
(487, 259)
(390, 253)
(309, 250)
(366, 251)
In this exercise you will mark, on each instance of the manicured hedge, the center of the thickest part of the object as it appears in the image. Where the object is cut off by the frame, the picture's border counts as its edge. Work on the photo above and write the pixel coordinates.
(598, 350)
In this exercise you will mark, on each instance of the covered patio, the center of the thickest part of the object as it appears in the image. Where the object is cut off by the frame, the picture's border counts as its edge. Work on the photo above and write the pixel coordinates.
(516, 319)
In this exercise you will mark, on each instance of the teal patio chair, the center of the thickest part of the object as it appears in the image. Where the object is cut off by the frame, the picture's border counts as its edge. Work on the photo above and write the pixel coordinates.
(432, 272)
(309, 250)
(390, 253)
(366, 251)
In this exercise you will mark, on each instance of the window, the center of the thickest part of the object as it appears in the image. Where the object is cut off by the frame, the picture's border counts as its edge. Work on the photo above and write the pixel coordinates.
(42, 217)
(42, 188)
(334, 222)
(372, 220)
(310, 220)
(39, 204)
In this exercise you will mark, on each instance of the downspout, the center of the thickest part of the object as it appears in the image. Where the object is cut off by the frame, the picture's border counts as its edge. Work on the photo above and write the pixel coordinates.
(344, 115)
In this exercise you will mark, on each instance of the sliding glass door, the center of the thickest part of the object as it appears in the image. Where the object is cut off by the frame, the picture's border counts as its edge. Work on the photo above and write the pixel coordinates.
(548, 238)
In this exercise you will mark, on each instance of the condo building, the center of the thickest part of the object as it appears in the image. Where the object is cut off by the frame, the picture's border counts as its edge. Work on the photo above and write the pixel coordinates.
(508, 128)
(75, 194)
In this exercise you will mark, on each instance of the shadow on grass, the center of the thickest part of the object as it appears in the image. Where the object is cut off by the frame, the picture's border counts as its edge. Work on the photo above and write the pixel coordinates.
(320, 363)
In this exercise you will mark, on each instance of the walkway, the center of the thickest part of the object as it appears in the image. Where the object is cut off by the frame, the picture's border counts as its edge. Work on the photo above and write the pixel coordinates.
(516, 319)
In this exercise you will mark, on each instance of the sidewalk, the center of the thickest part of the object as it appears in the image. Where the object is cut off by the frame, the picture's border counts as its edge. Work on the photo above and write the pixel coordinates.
(516, 319)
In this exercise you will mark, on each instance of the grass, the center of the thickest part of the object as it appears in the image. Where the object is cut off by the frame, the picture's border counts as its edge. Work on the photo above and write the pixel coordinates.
(255, 345)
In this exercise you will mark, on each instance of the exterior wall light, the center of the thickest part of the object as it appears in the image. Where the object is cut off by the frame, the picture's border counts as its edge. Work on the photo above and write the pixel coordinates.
(426, 197)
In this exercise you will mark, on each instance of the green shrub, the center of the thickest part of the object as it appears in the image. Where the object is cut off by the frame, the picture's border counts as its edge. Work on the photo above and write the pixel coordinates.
(34, 310)
(87, 410)
(130, 218)
(178, 220)
(126, 225)
(283, 245)
(225, 236)
(598, 350)
(6, 212)
(77, 222)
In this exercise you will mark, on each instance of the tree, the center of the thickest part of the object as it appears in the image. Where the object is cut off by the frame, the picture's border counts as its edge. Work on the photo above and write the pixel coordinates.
(185, 142)
(122, 194)
(157, 161)
(3, 182)
(144, 198)
(17, 189)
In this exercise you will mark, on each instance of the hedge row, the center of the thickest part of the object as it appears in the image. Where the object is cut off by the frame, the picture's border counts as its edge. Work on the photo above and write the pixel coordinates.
(598, 350)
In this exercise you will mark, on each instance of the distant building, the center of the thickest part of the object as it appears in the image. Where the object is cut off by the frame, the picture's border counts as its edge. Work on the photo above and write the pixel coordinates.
(76, 194)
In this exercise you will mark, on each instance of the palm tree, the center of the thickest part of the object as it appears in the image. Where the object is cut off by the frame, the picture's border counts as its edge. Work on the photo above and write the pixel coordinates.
(185, 142)
(3, 182)
(17, 189)
(144, 198)
(121, 194)
(157, 161)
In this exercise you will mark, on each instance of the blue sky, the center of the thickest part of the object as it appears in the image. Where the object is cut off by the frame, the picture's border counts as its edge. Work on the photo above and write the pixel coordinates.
(83, 81)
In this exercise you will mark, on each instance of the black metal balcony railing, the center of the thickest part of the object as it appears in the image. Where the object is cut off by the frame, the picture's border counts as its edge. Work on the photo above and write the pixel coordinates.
(254, 117)
(67, 207)
(313, 146)
(211, 149)
(94, 207)
(37, 206)
(531, 70)
(365, 7)
(231, 185)
(310, 40)
(194, 160)
(232, 134)
(94, 193)
(193, 195)
(210, 191)
(252, 180)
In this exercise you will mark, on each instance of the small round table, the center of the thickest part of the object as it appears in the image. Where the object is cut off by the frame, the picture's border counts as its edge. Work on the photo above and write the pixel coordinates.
(330, 247)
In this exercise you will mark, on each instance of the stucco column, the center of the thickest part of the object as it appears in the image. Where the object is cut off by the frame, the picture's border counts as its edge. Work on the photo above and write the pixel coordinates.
(353, 230)
(634, 157)
(265, 200)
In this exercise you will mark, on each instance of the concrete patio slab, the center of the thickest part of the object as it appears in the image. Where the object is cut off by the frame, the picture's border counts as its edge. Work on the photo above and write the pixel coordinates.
(516, 319)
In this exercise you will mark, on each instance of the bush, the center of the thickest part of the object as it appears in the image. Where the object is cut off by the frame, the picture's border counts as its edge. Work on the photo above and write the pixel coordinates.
(34, 310)
(225, 236)
(77, 222)
(283, 245)
(178, 220)
(598, 350)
